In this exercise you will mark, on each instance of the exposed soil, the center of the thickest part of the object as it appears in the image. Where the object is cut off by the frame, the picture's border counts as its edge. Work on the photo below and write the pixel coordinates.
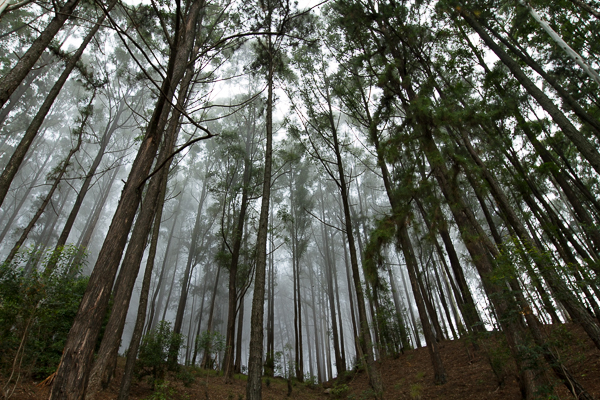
(409, 376)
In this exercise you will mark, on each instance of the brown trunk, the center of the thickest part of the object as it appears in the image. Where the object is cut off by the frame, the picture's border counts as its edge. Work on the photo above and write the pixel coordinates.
(365, 334)
(206, 360)
(404, 340)
(587, 149)
(191, 261)
(159, 290)
(57, 179)
(19, 154)
(411, 264)
(235, 255)
(330, 296)
(143, 302)
(237, 368)
(11, 81)
(255, 358)
(200, 314)
(72, 375)
(318, 353)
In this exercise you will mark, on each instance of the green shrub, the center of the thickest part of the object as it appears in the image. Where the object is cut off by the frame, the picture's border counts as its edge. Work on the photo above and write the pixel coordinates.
(185, 376)
(37, 309)
(163, 391)
(159, 351)
(339, 391)
(211, 343)
(416, 391)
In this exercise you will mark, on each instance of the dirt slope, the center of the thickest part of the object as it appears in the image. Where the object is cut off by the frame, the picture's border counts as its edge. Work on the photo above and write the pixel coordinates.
(409, 376)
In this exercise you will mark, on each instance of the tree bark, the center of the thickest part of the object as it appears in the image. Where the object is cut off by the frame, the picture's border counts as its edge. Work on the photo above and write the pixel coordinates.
(63, 166)
(72, 376)
(587, 149)
(143, 302)
(16, 159)
(11, 81)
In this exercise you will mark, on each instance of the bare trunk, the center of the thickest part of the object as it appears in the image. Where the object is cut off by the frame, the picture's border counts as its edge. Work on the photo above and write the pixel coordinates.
(58, 178)
(72, 375)
(254, 385)
(19, 154)
(141, 314)
(11, 81)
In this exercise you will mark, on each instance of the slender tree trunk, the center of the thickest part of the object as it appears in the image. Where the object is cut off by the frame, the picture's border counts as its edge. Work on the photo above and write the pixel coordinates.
(318, 351)
(93, 218)
(254, 385)
(63, 166)
(11, 81)
(404, 340)
(351, 297)
(411, 263)
(62, 239)
(340, 323)
(209, 326)
(16, 159)
(159, 290)
(235, 255)
(587, 149)
(199, 328)
(72, 375)
(143, 303)
(191, 261)
(330, 295)
(237, 368)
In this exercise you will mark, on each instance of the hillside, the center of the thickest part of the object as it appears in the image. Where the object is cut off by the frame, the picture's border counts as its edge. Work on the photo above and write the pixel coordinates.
(409, 376)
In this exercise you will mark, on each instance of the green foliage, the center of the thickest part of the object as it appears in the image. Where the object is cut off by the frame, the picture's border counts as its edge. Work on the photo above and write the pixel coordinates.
(158, 352)
(339, 391)
(416, 391)
(500, 359)
(162, 391)
(310, 381)
(37, 309)
(212, 343)
(184, 375)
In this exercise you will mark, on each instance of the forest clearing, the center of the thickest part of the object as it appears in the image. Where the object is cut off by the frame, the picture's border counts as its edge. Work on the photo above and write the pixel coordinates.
(267, 196)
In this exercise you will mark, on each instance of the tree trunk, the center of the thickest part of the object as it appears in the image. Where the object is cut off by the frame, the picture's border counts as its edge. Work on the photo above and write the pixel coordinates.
(191, 261)
(235, 255)
(209, 326)
(103, 368)
(16, 159)
(237, 368)
(63, 166)
(143, 302)
(72, 375)
(254, 385)
(11, 81)
(587, 149)
(159, 290)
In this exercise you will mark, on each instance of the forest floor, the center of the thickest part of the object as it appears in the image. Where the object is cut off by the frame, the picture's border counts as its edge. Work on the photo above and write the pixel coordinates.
(409, 376)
